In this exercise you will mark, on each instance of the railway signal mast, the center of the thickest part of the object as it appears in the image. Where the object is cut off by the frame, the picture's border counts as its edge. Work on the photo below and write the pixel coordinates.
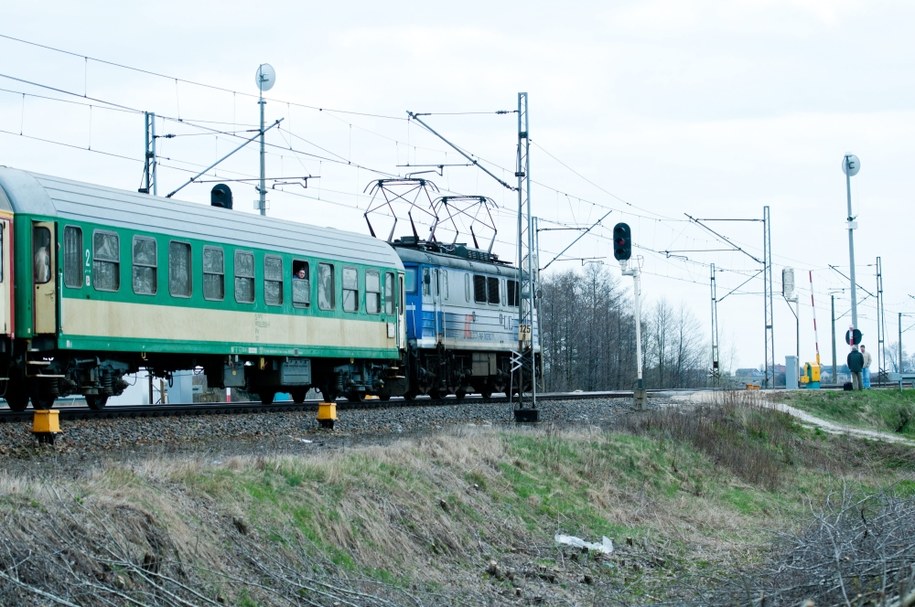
(622, 251)
(850, 166)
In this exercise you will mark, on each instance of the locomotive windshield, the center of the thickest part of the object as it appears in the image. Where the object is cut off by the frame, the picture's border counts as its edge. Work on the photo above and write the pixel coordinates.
(410, 280)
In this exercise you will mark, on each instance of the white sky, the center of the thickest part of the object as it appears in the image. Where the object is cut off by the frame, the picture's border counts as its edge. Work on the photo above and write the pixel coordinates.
(653, 109)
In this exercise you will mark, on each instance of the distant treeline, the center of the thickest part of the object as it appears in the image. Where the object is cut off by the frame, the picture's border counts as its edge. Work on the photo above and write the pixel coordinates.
(588, 336)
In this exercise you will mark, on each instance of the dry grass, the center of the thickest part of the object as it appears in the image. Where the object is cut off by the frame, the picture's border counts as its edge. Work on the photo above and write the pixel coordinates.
(461, 518)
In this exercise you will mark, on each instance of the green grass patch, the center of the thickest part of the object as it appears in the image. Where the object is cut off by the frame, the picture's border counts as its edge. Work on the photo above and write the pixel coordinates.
(884, 409)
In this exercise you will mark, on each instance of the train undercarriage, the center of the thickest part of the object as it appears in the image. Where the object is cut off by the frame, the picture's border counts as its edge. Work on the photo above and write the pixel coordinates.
(41, 377)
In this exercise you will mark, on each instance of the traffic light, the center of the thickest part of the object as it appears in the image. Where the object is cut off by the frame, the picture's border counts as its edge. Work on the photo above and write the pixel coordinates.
(622, 242)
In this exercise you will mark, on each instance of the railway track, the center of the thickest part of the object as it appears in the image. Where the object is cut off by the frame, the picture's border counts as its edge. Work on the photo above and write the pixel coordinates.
(83, 412)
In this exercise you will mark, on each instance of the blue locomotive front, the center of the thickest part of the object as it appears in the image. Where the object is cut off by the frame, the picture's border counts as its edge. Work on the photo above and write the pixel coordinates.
(461, 319)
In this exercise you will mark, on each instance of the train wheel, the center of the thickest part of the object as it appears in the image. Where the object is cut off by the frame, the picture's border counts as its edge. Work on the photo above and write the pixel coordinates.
(355, 397)
(486, 393)
(298, 395)
(266, 396)
(409, 396)
(460, 394)
(42, 398)
(328, 394)
(435, 394)
(17, 401)
(96, 402)
(42, 402)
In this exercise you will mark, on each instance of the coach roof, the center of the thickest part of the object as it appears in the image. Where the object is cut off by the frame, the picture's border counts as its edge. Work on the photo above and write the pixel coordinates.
(55, 197)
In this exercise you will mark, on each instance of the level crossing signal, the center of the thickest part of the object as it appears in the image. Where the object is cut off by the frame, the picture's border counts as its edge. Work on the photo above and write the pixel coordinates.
(622, 242)
(853, 337)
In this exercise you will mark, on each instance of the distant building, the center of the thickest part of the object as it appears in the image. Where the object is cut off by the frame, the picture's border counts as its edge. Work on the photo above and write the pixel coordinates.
(749, 375)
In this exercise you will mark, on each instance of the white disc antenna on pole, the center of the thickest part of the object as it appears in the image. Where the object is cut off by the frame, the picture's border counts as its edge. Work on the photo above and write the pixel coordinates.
(266, 77)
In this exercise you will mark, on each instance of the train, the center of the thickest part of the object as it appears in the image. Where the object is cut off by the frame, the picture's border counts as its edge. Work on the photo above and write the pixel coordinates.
(97, 283)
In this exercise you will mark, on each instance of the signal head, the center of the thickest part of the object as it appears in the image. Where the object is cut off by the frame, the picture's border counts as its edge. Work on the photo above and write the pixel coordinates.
(622, 242)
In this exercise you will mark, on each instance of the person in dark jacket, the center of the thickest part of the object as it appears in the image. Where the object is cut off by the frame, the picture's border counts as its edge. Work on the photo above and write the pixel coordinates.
(855, 363)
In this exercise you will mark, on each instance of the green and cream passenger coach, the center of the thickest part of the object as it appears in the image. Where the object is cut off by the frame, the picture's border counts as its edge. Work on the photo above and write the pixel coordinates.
(97, 283)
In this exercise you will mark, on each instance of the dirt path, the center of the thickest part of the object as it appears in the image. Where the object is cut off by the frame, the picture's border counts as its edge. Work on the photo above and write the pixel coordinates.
(711, 397)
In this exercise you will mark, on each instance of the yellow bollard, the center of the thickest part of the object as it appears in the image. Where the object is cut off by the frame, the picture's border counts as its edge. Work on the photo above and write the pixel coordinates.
(46, 425)
(327, 414)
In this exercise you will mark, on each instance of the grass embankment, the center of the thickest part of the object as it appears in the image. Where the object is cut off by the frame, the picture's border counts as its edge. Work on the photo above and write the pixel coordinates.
(466, 518)
(884, 409)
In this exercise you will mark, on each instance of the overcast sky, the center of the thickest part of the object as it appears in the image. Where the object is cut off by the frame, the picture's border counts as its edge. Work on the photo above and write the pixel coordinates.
(656, 110)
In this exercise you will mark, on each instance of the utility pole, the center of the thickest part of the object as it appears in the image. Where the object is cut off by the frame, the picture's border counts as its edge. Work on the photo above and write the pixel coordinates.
(766, 262)
(715, 371)
(265, 79)
(881, 326)
(850, 166)
(149, 165)
(832, 299)
(525, 363)
(767, 296)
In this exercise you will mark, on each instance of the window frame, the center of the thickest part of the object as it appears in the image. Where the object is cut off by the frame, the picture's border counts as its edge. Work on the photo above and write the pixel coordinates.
(73, 259)
(301, 286)
(273, 280)
(350, 276)
(100, 262)
(373, 298)
(513, 289)
(139, 265)
(176, 273)
(243, 279)
(327, 299)
(209, 273)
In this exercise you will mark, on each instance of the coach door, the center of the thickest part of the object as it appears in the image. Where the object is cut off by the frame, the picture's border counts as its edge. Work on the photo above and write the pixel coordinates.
(43, 277)
(6, 276)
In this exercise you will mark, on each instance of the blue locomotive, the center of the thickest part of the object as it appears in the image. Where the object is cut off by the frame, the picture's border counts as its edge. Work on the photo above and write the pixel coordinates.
(461, 319)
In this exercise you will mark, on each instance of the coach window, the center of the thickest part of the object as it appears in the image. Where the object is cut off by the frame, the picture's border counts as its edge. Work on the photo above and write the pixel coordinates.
(410, 280)
(492, 285)
(273, 280)
(144, 265)
(179, 269)
(73, 257)
(350, 290)
(479, 288)
(388, 293)
(106, 264)
(372, 291)
(432, 281)
(214, 274)
(325, 286)
(301, 284)
(512, 292)
(41, 249)
(244, 277)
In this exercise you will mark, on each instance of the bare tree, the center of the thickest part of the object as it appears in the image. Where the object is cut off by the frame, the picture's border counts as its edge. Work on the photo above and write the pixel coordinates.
(675, 347)
(588, 334)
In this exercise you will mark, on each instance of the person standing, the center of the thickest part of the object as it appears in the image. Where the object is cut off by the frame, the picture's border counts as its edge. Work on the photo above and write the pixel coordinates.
(855, 362)
(865, 371)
